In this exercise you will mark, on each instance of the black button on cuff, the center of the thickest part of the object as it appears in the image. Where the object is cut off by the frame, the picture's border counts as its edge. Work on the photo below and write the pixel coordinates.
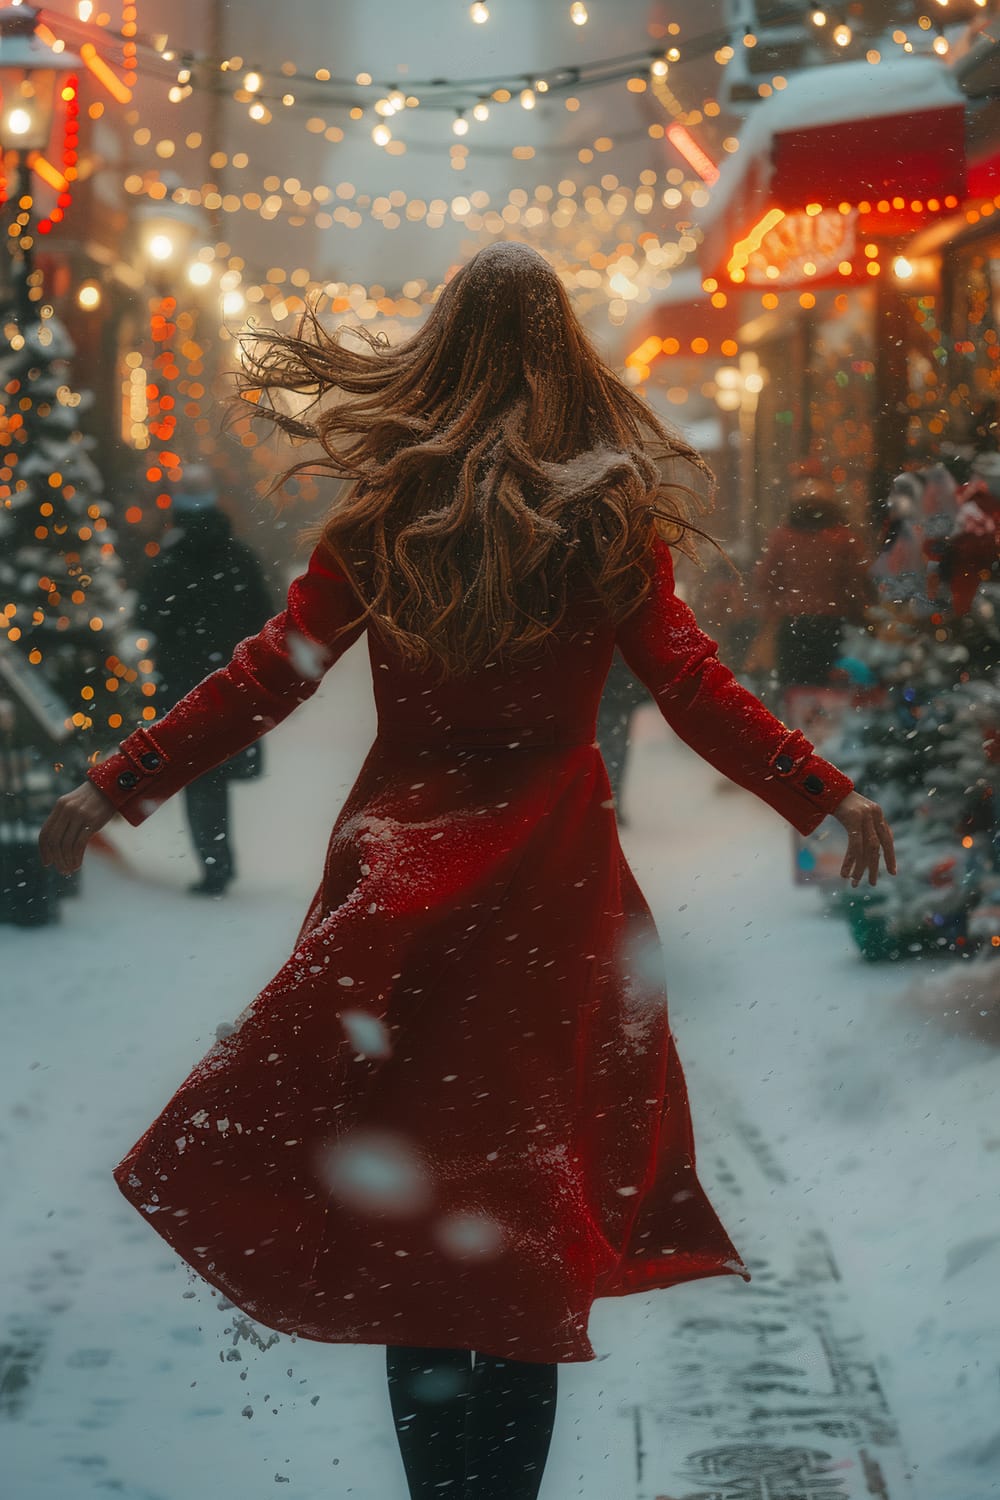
(127, 779)
(784, 764)
(814, 784)
(151, 761)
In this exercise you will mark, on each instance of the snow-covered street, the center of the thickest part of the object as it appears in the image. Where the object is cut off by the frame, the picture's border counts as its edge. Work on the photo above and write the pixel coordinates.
(850, 1144)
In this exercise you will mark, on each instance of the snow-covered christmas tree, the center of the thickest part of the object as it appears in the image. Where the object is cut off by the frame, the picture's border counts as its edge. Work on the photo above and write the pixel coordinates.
(927, 748)
(62, 593)
(73, 679)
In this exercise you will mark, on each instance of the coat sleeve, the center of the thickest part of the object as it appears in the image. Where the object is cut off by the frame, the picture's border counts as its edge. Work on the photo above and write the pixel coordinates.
(268, 676)
(714, 714)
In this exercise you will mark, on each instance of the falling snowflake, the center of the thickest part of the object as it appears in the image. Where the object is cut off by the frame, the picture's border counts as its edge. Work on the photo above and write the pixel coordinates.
(378, 1172)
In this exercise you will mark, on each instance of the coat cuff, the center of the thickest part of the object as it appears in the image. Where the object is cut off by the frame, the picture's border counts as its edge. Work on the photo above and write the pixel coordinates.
(804, 787)
(129, 777)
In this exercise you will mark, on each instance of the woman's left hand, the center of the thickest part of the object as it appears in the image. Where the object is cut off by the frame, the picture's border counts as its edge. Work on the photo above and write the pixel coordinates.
(71, 824)
(868, 837)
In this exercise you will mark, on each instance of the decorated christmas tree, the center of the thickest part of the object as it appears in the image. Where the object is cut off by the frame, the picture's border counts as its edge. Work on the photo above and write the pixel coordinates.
(61, 587)
(73, 678)
(927, 747)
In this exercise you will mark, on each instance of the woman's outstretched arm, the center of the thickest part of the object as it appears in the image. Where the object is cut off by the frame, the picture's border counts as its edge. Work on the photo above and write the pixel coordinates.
(730, 728)
(268, 676)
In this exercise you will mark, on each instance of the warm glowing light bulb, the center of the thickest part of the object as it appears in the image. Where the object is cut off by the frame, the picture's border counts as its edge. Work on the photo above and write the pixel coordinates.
(252, 82)
(89, 296)
(85, 9)
(257, 111)
(381, 135)
(842, 35)
(397, 99)
(527, 98)
(479, 12)
(460, 125)
(19, 122)
(941, 46)
(902, 268)
(161, 247)
(819, 17)
(659, 67)
(578, 13)
(233, 303)
(481, 111)
(199, 273)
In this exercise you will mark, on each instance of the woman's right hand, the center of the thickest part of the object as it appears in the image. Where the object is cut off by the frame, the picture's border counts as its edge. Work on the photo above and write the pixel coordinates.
(71, 824)
(868, 837)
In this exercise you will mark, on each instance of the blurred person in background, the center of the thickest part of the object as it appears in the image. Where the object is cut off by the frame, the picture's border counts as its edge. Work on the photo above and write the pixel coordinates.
(970, 554)
(812, 580)
(204, 592)
(457, 1115)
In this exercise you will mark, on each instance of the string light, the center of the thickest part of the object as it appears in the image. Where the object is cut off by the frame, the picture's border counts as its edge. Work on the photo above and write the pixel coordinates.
(481, 111)
(460, 124)
(381, 135)
(161, 247)
(479, 12)
(252, 82)
(659, 67)
(819, 17)
(578, 13)
(527, 98)
(842, 34)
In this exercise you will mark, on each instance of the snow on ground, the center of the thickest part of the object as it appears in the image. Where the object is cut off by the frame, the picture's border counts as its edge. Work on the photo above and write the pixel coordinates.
(125, 1377)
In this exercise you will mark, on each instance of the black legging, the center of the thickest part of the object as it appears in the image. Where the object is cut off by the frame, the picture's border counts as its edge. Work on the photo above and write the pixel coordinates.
(470, 1431)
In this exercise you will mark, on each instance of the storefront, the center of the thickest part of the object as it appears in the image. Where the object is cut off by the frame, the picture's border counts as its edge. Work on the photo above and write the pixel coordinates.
(808, 243)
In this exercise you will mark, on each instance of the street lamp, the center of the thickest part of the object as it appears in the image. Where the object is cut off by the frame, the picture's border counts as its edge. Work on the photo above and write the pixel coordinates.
(29, 76)
(166, 233)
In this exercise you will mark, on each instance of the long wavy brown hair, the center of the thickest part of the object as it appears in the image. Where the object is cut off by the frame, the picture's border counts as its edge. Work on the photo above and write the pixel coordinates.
(494, 460)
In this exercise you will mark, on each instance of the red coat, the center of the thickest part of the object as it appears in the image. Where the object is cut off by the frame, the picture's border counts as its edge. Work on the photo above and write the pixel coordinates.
(456, 1115)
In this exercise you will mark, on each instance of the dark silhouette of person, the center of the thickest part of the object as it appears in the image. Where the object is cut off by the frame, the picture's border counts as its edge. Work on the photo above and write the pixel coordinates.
(813, 579)
(203, 593)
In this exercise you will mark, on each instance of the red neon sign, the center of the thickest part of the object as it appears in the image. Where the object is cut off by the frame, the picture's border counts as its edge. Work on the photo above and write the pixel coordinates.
(684, 142)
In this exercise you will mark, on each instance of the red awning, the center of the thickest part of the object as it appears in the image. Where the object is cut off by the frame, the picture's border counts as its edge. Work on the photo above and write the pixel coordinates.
(882, 146)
